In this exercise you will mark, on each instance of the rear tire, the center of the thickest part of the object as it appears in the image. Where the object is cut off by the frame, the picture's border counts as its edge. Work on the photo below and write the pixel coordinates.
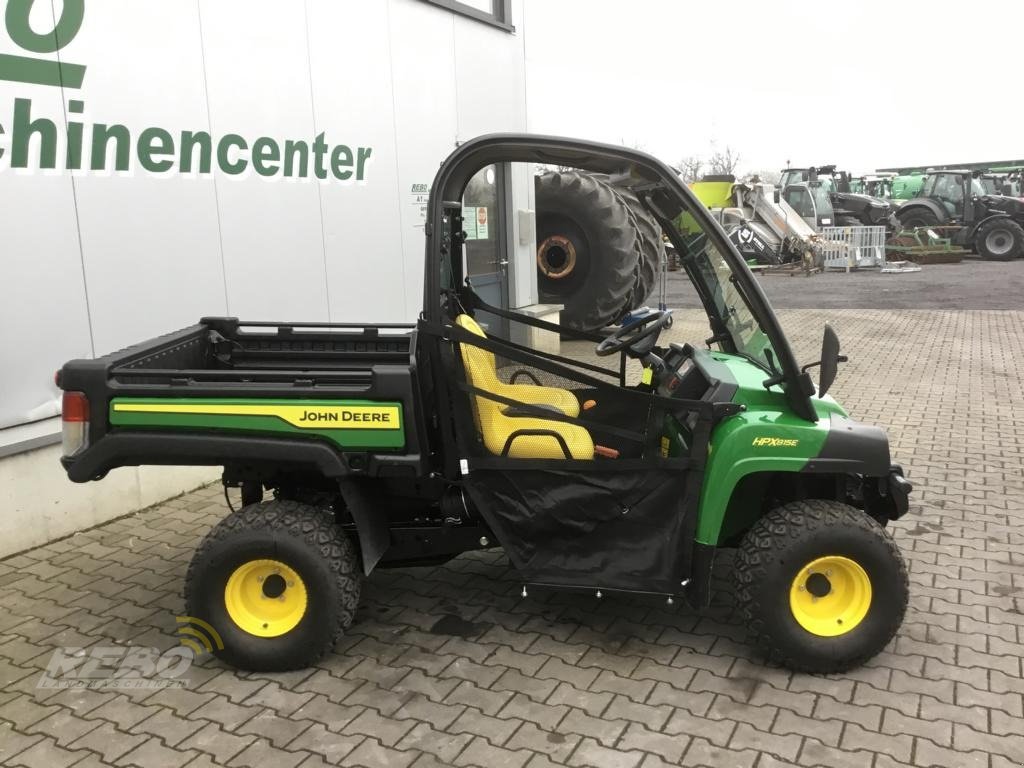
(821, 585)
(999, 240)
(314, 568)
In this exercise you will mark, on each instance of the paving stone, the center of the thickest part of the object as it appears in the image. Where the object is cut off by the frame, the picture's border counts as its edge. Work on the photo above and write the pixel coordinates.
(653, 717)
(488, 702)
(669, 746)
(747, 737)
(703, 753)
(855, 737)
(826, 731)
(481, 674)
(48, 754)
(638, 690)
(108, 742)
(517, 682)
(331, 745)
(386, 730)
(166, 725)
(261, 753)
(495, 730)
(717, 732)
(557, 746)
(929, 755)
(579, 677)
(590, 702)
(600, 728)
(440, 744)
(216, 742)
(24, 711)
(372, 754)
(814, 753)
(590, 753)
(152, 753)
(64, 726)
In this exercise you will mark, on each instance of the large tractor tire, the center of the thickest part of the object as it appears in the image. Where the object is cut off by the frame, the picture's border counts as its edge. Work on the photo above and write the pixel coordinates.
(278, 581)
(821, 585)
(999, 240)
(590, 248)
(917, 217)
(652, 246)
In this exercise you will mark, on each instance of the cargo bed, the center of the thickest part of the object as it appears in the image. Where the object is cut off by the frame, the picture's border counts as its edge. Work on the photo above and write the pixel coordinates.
(227, 360)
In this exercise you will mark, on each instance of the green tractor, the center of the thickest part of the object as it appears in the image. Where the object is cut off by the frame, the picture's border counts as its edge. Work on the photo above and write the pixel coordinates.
(630, 465)
(958, 204)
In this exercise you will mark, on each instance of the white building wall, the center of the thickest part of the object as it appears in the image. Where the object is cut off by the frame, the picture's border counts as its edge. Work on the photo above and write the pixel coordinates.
(93, 260)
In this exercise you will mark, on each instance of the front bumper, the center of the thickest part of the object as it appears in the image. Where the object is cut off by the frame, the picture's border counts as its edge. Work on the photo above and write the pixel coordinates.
(898, 492)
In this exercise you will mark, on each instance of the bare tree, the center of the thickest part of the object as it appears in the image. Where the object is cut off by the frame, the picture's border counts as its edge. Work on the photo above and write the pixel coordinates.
(769, 177)
(724, 162)
(691, 168)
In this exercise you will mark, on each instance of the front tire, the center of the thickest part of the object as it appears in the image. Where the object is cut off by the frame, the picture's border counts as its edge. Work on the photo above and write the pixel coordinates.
(822, 586)
(999, 240)
(917, 217)
(279, 581)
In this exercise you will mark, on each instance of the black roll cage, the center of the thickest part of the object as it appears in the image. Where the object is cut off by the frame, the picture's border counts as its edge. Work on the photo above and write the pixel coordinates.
(445, 208)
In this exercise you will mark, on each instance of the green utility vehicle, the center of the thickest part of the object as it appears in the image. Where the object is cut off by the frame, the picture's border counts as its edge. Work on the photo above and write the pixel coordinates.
(362, 446)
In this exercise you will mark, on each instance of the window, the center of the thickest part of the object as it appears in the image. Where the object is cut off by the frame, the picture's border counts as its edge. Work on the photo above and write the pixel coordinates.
(495, 12)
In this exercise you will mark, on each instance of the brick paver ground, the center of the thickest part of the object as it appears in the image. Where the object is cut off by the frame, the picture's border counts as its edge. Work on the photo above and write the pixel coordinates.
(557, 679)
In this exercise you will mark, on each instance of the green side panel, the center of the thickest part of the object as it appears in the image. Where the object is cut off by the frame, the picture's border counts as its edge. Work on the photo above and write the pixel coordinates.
(764, 438)
(713, 194)
(263, 424)
(907, 187)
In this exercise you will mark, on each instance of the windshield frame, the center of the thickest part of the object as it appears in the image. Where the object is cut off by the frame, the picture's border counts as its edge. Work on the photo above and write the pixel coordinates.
(664, 194)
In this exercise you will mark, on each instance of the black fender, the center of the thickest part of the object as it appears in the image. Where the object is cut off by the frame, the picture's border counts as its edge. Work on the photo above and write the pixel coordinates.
(852, 448)
(925, 203)
(977, 225)
(136, 448)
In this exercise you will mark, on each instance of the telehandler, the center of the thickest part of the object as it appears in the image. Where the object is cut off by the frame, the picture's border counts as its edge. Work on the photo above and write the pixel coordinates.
(359, 446)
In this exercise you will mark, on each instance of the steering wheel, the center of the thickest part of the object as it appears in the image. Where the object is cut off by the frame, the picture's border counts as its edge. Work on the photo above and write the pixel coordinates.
(627, 337)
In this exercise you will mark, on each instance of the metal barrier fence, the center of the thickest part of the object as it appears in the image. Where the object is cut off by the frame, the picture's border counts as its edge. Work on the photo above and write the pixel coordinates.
(853, 247)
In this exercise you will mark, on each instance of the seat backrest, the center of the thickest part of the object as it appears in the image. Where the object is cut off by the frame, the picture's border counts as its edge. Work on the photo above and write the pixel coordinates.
(481, 370)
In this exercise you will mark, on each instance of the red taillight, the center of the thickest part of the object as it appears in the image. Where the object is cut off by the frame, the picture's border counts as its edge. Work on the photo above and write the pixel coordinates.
(75, 407)
(74, 414)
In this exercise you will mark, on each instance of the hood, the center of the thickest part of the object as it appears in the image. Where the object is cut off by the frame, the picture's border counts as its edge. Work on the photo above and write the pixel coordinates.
(1011, 205)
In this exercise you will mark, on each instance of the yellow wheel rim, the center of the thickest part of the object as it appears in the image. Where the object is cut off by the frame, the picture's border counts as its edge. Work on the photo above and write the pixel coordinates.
(265, 598)
(830, 596)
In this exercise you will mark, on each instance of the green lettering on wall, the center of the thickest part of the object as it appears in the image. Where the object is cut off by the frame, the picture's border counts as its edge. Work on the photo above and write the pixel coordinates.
(319, 148)
(341, 159)
(17, 20)
(73, 155)
(291, 149)
(227, 142)
(362, 156)
(154, 142)
(189, 140)
(24, 128)
(265, 156)
(101, 136)
(26, 69)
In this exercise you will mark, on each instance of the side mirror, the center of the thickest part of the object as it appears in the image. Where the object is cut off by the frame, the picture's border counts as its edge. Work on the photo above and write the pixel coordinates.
(777, 196)
(830, 360)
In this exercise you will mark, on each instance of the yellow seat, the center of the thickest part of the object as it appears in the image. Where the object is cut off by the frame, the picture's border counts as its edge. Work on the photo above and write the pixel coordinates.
(496, 427)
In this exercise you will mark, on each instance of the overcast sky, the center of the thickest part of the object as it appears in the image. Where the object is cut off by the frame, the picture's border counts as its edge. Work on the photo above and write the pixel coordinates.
(862, 83)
